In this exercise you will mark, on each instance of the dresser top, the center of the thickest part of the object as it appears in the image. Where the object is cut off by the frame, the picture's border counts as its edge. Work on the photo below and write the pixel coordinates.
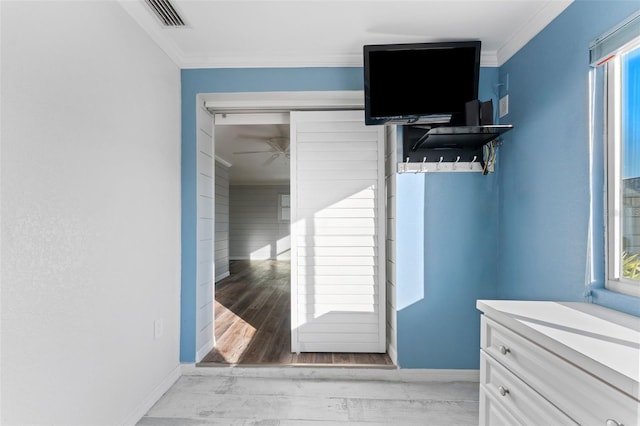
(604, 342)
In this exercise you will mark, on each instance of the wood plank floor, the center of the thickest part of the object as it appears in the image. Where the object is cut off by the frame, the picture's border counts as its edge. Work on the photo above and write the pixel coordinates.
(253, 321)
(311, 397)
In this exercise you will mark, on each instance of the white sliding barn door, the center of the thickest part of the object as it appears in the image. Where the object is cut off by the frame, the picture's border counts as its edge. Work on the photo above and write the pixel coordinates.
(337, 233)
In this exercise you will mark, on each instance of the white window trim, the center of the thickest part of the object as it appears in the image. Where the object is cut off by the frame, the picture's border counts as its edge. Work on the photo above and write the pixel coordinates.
(613, 198)
(281, 206)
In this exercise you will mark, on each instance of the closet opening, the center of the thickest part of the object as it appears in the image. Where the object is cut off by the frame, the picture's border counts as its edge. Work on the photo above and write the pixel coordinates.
(252, 294)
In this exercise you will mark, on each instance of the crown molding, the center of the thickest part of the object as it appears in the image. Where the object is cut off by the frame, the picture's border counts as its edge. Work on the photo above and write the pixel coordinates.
(528, 31)
(489, 59)
(139, 13)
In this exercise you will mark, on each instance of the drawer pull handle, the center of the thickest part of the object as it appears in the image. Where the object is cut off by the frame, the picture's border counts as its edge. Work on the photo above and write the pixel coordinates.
(504, 349)
(503, 391)
(611, 422)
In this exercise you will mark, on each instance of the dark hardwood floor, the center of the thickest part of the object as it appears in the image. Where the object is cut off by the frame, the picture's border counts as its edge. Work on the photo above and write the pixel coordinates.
(253, 321)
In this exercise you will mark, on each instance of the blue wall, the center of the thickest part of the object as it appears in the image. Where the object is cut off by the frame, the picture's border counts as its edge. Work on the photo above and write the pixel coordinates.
(446, 260)
(465, 203)
(544, 176)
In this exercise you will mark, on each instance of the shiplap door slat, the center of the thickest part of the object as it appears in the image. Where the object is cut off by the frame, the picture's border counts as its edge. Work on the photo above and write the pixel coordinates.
(337, 233)
(205, 231)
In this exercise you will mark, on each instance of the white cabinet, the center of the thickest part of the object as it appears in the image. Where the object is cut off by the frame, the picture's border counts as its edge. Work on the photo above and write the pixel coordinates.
(558, 363)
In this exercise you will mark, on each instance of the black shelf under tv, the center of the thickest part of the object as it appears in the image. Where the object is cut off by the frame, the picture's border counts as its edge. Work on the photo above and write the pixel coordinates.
(448, 143)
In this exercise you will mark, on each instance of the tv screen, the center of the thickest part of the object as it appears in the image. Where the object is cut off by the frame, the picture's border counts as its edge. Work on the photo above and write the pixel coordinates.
(423, 82)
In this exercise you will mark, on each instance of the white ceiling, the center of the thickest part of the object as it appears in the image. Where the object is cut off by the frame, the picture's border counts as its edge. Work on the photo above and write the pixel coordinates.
(268, 33)
(252, 169)
(305, 33)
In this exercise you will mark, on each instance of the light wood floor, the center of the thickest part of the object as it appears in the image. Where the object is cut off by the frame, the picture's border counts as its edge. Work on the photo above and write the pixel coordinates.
(312, 397)
(253, 321)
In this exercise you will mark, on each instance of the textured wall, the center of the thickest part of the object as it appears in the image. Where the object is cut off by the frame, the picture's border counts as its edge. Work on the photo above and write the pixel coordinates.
(90, 184)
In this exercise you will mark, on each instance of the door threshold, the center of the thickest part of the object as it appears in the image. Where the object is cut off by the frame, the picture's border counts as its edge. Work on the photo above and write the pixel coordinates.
(296, 365)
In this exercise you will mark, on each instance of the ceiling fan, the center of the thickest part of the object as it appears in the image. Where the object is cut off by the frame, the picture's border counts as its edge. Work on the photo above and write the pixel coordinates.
(279, 147)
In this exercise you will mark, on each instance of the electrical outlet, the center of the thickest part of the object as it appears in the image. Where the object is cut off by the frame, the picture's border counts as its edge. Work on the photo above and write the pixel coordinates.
(504, 106)
(158, 329)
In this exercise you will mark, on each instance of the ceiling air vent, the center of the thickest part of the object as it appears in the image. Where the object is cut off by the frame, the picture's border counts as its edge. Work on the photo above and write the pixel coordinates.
(167, 14)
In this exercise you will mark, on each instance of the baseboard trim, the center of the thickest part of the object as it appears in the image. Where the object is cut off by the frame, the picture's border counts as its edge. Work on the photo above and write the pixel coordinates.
(343, 373)
(222, 276)
(204, 350)
(146, 404)
(393, 354)
(438, 375)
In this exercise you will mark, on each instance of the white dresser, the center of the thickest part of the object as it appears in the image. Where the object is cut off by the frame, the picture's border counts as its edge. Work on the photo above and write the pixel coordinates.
(555, 363)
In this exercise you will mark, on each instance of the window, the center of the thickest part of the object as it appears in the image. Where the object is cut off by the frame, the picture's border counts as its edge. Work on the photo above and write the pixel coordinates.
(284, 209)
(623, 169)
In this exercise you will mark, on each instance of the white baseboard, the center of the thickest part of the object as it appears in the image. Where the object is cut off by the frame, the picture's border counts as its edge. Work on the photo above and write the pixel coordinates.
(144, 407)
(222, 276)
(204, 350)
(438, 375)
(393, 354)
(342, 373)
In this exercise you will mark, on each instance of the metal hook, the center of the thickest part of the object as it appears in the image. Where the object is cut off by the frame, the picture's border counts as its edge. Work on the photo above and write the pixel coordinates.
(406, 164)
(453, 167)
(438, 165)
(424, 160)
(472, 161)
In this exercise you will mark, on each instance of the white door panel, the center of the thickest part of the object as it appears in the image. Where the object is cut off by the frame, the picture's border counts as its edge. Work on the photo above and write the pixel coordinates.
(338, 222)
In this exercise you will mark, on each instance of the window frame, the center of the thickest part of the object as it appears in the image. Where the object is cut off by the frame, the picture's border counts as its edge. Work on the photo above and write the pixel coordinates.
(613, 198)
(282, 206)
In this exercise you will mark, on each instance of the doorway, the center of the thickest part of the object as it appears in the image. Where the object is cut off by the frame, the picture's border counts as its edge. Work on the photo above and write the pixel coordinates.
(265, 263)
(252, 299)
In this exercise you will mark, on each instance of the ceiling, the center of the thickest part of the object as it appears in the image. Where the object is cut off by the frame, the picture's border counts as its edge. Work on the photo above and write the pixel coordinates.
(255, 168)
(269, 33)
(306, 33)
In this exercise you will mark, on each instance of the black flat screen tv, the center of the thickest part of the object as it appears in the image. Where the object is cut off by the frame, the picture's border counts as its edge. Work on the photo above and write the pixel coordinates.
(420, 82)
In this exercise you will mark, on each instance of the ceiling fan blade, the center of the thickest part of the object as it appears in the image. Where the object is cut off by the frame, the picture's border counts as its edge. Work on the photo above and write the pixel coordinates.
(274, 145)
(271, 159)
(254, 152)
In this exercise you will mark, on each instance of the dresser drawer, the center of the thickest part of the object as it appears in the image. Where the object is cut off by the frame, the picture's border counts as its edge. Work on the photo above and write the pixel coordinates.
(493, 412)
(516, 397)
(584, 398)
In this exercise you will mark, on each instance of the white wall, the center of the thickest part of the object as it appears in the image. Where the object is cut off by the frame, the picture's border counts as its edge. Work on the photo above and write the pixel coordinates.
(254, 230)
(90, 186)
(222, 221)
